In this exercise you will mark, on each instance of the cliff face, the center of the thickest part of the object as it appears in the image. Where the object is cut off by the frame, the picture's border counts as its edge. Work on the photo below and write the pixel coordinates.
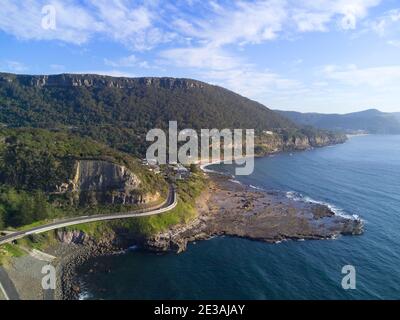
(104, 182)
(98, 81)
(102, 176)
(275, 143)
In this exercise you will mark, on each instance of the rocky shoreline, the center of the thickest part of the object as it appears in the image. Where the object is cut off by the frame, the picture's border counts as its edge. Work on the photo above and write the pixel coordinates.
(226, 208)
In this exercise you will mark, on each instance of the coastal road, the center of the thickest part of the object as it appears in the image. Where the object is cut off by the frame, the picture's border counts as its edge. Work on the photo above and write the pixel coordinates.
(6, 286)
(168, 205)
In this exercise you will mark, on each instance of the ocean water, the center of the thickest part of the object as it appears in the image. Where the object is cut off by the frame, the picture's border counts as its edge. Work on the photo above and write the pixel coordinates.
(359, 177)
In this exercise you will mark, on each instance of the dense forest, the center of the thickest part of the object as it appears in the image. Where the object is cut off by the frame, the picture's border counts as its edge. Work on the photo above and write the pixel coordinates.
(120, 111)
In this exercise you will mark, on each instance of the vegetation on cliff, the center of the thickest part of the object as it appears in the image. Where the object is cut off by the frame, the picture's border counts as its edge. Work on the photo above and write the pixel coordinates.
(295, 139)
(34, 161)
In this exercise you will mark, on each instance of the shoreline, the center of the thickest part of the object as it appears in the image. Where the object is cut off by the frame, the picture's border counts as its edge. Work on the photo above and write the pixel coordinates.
(230, 209)
(207, 163)
(245, 203)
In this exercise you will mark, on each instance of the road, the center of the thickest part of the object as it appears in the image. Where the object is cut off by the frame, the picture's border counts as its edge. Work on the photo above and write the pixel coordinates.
(6, 286)
(168, 205)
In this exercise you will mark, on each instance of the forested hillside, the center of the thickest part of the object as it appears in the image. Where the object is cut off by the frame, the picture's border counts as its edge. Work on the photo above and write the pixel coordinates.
(120, 111)
(33, 162)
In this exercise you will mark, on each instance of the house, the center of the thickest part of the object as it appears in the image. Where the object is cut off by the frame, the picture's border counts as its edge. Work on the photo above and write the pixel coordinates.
(180, 172)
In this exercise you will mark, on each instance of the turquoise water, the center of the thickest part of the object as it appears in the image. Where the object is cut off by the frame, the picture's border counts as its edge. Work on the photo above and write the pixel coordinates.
(360, 177)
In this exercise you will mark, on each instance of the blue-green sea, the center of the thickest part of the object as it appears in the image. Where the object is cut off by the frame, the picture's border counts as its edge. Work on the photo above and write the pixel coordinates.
(359, 177)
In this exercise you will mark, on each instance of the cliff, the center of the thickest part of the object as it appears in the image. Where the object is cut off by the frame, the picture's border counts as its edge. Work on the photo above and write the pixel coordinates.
(96, 181)
(98, 81)
(277, 142)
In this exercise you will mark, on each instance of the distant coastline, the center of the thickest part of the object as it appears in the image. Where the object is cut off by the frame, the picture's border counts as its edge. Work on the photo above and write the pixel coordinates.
(351, 135)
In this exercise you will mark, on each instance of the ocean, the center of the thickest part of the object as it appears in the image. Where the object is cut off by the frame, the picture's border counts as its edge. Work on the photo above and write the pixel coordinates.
(360, 177)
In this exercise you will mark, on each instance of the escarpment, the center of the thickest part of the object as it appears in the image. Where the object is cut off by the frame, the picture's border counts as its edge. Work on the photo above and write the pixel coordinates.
(97, 181)
(277, 142)
(99, 81)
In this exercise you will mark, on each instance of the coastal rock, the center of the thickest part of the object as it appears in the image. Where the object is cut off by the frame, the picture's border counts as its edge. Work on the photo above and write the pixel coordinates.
(177, 237)
(353, 227)
(68, 237)
(320, 211)
(234, 210)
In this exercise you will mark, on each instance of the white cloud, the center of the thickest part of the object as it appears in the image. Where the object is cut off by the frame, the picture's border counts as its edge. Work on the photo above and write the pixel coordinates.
(120, 20)
(387, 27)
(207, 57)
(315, 15)
(375, 77)
(311, 21)
(24, 20)
(112, 73)
(130, 61)
(127, 62)
(253, 83)
(15, 66)
(263, 20)
(132, 25)
(247, 23)
(144, 25)
(57, 67)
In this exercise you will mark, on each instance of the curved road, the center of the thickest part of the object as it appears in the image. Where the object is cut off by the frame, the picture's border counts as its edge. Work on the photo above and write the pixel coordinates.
(168, 205)
(6, 286)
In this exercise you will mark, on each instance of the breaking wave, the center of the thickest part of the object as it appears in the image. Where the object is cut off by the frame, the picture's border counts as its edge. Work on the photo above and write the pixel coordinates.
(296, 196)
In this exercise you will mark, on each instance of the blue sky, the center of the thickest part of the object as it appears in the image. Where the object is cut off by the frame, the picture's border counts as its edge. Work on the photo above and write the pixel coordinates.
(306, 55)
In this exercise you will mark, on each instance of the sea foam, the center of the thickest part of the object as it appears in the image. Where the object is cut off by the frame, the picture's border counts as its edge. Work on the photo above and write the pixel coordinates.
(296, 196)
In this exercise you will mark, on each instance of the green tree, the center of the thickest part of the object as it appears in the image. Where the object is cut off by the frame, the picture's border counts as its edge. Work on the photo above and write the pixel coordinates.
(194, 168)
(2, 217)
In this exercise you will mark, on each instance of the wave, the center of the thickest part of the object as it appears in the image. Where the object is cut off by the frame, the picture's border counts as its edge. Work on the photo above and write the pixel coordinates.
(235, 181)
(256, 188)
(203, 167)
(296, 196)
(85, 295)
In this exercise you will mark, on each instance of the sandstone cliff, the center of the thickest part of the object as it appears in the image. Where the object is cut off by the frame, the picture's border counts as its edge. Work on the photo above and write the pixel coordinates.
(90, 80)
(96, 181)
(272, 143)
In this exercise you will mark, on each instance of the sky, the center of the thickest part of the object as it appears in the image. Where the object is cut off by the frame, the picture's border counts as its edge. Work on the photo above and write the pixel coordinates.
(328, 56)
